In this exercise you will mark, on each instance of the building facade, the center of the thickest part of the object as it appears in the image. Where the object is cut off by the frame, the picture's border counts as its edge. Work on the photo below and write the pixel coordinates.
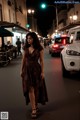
(68, 17)
(13, 16)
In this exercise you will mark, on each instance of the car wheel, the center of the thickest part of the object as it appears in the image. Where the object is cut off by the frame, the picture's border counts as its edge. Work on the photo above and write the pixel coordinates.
(65, 73)
(52, 54)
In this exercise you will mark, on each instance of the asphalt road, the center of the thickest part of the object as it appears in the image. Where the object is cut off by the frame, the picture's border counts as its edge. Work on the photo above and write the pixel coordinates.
(63, 93)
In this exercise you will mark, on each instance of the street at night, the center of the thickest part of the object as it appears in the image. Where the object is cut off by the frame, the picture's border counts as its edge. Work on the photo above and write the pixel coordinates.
(63, 93)
(48, 33)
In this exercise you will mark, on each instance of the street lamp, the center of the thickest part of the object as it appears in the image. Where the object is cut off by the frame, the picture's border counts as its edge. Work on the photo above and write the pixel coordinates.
(73, 18)
(44, 5)
(31, 12)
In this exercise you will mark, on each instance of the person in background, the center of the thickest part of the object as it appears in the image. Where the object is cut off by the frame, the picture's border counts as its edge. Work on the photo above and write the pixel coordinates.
(45, 43)
(18, 43)
(9, 46)
(32, 73)
(10, 50)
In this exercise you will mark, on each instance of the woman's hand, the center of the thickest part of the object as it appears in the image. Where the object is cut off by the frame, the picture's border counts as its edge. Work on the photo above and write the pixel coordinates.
(42, 75)
(21, 74)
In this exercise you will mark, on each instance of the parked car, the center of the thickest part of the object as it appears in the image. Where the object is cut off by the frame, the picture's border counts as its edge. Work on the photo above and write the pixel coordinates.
(70, 58)
(74, 33)
(58, 44)
(70, 55)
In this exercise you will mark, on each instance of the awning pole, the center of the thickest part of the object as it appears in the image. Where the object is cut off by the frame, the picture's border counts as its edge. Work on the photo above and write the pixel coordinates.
(2, 42)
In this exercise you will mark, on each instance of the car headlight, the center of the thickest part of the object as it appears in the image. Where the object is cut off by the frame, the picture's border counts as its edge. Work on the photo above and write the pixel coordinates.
(72, 52)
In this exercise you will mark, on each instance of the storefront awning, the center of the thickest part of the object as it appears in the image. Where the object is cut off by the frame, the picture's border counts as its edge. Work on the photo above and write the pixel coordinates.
(14, 26)
(5, 33)
(69, 26)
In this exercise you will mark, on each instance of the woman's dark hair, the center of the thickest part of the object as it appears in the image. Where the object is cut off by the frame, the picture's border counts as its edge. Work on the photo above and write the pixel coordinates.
(36, 42)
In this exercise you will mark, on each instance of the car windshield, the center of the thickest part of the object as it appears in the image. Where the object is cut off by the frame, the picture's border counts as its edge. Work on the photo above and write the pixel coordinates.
(62, 40)
(78, 36)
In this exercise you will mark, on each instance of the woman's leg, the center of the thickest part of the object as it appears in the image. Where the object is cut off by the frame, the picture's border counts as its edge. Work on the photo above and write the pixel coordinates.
(36, 98)
(32, 99)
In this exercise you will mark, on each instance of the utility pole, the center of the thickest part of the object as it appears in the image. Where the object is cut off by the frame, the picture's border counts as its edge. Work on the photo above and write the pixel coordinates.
(43, 6)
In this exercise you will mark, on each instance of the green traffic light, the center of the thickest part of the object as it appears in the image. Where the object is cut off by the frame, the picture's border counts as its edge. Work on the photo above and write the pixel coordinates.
(27, 25)
(43, 5)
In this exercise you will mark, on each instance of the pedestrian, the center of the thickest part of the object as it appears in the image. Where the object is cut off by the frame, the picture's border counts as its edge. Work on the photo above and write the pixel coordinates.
(9, 46)
(18, 43)
(45, 43)
(32, 73)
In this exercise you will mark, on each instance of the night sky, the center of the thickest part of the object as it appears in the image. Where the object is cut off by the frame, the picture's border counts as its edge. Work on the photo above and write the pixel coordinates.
(44, 16)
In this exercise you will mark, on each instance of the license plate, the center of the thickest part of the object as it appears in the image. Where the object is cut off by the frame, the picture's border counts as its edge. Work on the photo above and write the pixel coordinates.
(61, 46)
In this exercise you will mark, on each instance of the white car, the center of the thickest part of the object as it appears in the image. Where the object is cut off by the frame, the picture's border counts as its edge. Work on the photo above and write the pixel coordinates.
(70, 57)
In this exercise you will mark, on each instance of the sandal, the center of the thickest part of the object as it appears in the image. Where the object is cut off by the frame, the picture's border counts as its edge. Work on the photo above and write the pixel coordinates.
(34, 113)
(37, 109)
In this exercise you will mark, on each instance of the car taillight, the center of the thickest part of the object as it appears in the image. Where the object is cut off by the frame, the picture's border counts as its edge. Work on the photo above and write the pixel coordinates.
(55, 46)
(64, 41)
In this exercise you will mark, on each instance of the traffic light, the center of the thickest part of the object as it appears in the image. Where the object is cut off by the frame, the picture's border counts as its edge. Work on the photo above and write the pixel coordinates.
(27, 25)
(43, 5)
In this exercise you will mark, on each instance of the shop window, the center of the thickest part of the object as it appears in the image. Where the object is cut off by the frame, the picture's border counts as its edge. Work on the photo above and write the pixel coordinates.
(20, 9)
(9, 2)
(78, 36)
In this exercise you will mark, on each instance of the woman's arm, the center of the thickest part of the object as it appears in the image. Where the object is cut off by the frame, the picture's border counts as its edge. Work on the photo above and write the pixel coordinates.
(22, 63)
(42, 63)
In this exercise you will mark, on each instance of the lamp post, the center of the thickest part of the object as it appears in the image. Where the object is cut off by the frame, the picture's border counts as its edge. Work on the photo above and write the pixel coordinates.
(31, 12)
(56, 16)
(43, 5)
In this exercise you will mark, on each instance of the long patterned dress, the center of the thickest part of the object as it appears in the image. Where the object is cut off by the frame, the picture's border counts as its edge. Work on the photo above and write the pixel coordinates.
(32, 77)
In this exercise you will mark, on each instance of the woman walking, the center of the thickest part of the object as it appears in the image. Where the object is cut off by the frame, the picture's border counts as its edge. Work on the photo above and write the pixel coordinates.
(32, 73)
